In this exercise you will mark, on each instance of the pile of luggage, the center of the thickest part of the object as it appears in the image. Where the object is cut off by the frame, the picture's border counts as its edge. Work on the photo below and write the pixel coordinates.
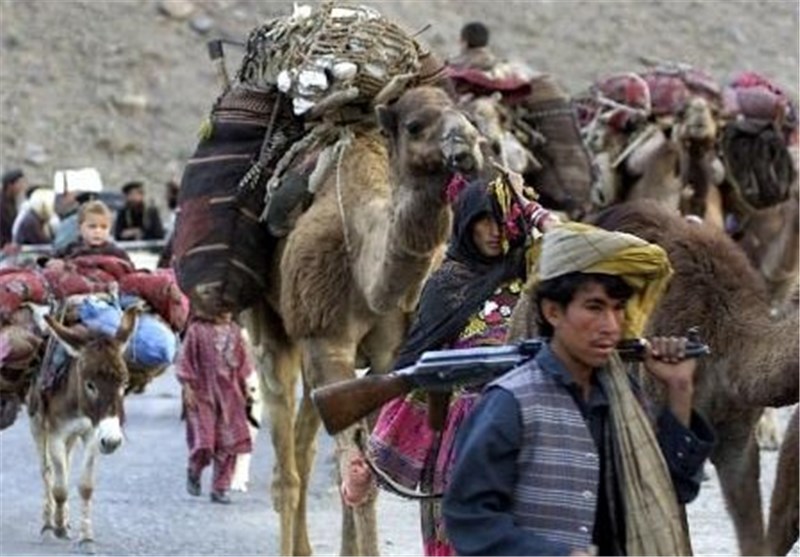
(91, 291)
(303, 79)
(756, 118)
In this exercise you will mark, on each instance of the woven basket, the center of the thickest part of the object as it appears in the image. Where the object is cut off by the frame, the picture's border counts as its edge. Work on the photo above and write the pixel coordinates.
(349, 51)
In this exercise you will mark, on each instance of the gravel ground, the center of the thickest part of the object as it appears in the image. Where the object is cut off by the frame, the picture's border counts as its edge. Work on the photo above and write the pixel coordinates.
(120, 86)
(141, 507)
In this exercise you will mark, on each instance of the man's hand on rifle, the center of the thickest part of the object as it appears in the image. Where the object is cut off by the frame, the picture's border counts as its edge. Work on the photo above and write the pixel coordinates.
(357, 482)
(665, 362)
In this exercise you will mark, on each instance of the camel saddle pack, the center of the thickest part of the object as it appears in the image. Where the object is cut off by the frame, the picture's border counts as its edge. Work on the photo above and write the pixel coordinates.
(762, 125)
(302, 80)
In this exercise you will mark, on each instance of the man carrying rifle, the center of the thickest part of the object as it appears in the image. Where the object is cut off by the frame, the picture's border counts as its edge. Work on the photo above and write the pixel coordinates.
(560, 456)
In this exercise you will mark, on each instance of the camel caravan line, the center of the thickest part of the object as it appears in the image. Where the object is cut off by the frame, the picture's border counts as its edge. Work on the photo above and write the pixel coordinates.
(318, 201)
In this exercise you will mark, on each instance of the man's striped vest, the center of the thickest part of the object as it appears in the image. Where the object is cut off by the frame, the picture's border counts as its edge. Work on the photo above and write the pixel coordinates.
(558, 469)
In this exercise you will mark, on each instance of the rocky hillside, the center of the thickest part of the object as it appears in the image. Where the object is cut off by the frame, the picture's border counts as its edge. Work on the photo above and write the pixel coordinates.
(123, 85)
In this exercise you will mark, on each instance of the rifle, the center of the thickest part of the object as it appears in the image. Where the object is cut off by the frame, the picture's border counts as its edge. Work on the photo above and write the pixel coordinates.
(439, 372)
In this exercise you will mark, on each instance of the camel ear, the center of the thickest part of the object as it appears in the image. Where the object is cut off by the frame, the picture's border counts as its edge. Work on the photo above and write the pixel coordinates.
(386, 119)
(127, 325)
(70, 337)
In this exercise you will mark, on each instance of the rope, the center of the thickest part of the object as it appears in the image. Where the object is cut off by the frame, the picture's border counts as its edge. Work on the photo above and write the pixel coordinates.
(341, 146)
(385, 480)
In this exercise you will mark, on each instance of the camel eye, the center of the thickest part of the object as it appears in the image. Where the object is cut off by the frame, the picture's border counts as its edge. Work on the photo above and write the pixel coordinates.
(414, 128)
(91, 389)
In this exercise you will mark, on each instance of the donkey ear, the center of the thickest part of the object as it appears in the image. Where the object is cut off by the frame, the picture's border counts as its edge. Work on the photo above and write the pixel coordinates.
(386, 119)
(71, 338)
(127, 325)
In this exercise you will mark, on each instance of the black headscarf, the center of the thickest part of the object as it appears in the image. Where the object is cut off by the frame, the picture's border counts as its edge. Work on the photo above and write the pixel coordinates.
(466, 279)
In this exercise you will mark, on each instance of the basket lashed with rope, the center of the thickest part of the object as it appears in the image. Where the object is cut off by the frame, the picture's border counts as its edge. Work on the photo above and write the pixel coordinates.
(306, 80)
(328, 56)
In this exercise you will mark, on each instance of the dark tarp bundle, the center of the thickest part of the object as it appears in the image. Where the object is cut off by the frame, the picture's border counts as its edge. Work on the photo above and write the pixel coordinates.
(221, 248)
(757, 163)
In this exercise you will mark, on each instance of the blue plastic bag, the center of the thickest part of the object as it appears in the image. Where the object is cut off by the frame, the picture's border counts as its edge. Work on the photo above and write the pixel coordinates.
(152, 344)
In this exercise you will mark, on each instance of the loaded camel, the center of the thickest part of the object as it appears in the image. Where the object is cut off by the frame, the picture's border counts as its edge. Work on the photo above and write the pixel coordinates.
(754, 358)
(677, 164)
(344, 281)
(87, 405)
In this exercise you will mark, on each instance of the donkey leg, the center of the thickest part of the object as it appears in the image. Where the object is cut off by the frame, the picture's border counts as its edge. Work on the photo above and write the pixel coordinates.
(737, 462)
(281, 372)
(305, 450)
(58, 454)
(86, 489)
(46, 469)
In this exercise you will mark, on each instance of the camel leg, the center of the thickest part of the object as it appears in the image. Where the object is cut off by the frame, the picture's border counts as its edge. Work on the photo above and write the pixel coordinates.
(306, 428)
(327, 361)
(737, 462)
(280, 372)
(784, 513)
(767, 431)
(46, 469)
(359, 524)
(714, 213)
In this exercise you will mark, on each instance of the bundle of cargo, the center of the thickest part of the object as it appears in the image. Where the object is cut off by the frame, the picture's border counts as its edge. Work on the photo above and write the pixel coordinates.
(20, 343)
(303, 80)
(63, 288)
(151, 349)
(761, 128)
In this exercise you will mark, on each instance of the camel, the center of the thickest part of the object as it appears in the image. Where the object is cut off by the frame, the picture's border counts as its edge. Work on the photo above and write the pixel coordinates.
(784, 513)
(754, 357)
(771, 239)
(672, 161)
(87, 404)
(677, 165)
(344, 281)
(493, 120)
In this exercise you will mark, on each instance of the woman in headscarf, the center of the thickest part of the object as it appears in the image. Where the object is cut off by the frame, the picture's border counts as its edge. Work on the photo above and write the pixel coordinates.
(466, 303)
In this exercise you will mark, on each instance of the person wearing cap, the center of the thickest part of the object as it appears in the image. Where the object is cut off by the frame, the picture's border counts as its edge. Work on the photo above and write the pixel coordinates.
(561, 455)
(136, 221)
(14, 187)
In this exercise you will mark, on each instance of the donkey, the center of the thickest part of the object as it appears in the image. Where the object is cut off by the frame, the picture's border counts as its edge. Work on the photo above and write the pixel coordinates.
(87, 404)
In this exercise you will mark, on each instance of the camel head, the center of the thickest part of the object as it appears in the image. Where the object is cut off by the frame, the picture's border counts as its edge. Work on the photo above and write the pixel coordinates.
(429, 137)
(697, 122)
(493, 120)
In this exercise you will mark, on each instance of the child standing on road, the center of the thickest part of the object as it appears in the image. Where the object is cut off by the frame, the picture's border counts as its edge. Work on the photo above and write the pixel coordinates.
(212, 368)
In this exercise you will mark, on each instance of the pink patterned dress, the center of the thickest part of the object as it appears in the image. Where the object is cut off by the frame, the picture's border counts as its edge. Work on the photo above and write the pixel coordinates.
(404, 446)
(214, 363)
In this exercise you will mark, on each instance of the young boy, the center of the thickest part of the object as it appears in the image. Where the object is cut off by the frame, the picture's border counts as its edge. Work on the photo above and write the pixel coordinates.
(94, 222)
(559, 457)
(212, 368)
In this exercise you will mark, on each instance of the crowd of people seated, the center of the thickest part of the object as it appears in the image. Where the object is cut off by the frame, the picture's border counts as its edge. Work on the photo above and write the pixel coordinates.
(37, 215)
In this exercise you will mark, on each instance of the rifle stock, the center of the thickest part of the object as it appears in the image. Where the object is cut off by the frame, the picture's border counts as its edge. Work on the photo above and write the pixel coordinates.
(344, 403)
(438, 372)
